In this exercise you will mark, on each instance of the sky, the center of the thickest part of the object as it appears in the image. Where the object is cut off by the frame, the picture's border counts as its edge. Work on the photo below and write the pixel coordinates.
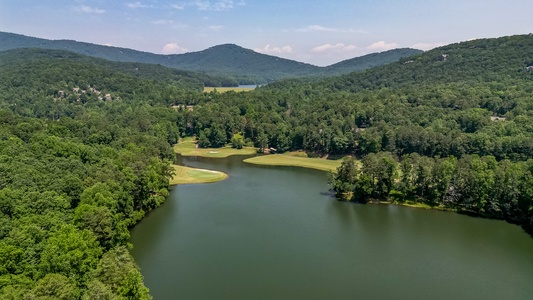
(318, 32)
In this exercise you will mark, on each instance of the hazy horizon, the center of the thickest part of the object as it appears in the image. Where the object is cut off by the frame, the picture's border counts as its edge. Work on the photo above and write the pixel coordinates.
(316, 32)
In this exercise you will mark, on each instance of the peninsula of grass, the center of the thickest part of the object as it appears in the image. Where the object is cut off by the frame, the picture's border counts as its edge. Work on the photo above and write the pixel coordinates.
(186, 175)
(295, 161)
(187, 147)
(228, 89)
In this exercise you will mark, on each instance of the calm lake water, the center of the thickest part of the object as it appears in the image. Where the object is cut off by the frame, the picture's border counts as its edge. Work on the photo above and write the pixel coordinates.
(276, 233)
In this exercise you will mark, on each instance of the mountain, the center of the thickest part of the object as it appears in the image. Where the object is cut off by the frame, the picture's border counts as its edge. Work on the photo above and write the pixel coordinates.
(370, 61)
(246, 65)
(175, 77)
(243, 63)
(449, 128)
(473, 62)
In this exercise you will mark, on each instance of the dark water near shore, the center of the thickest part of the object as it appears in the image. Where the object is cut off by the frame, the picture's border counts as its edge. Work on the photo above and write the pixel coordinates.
(275, 233)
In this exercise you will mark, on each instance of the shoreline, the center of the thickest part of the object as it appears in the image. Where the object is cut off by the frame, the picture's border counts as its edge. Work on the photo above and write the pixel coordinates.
(187, 147)
(287, 160)
(188, 175)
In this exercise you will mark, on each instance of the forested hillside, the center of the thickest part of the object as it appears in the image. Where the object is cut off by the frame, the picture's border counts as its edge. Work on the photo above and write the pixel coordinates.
(175, 77)
(85, 148)
(369, 61)
(476, 101)
(471, 101)
(236, 64)
(84, 155)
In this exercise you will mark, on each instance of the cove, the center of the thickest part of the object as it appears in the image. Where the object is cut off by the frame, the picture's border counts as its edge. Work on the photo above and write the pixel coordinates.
(276, 233)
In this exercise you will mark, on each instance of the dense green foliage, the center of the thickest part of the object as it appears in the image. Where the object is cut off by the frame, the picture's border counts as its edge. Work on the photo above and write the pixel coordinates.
(370, 61)
(85, 148)
(78, 168)
(473, 184)
(471, 98)
(230, 62)
(177, 78)
(477, 101)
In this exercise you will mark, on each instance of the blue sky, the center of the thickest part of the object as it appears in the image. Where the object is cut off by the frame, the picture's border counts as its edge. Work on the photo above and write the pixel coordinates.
(313, 31)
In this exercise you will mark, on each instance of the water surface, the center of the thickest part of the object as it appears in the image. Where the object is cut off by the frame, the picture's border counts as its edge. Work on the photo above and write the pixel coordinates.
(276, 233)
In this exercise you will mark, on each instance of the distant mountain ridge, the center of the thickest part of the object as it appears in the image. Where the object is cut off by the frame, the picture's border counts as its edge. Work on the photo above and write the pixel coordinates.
(484, 62)
(172, 76)
(245, 65)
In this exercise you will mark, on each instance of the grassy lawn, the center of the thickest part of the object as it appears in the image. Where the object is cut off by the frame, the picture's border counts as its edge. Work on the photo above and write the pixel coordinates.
(227, 89)
(295, 161)
(187, 147)
(186, 175)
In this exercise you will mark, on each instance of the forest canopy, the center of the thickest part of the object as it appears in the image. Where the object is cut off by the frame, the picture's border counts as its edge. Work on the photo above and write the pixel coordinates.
(85, 148)
(85, 152)
(469, 103)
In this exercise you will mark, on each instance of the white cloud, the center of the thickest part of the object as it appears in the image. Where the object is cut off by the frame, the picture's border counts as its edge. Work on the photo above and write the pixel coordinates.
(170, 23)
(88, 10)
(137, 4)
(216, 27)
(274, 50)
(382, 46)
(427, 46)
(336, 47)
(220, 5)
(173, 48)
(319, 28)
(209, 5)
(163, 22)
(202, 5)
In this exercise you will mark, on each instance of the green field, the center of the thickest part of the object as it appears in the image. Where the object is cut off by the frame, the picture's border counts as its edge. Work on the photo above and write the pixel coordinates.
(186, 175)
(227, 89)
(295, 161)
(187, 147)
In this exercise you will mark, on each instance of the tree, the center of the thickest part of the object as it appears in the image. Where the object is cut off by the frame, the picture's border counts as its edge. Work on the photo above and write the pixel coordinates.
(70, 252)
(261, 141)
(96, 290)
(98, 219)
(364, 188)
(54, 286)
(218, 137)
(343, 182)
(381, 169)
(237, 141)
(443, 173)
(117, 270)
(203, 140)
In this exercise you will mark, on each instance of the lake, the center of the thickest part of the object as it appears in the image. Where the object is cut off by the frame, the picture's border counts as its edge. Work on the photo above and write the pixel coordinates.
(276, 233)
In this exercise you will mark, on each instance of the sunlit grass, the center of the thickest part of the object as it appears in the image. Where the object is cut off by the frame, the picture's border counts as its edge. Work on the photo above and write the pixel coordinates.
(186, 175)
(295, 161)
(187, 147)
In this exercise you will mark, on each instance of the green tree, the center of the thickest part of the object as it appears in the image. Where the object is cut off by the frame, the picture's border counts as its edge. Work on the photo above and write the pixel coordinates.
(117, 270)
(98, 219)
(343, 182)
(70, 252)
(54, 286)
(381, 169)
(237, 141)
(96, 290)
(203, 140)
